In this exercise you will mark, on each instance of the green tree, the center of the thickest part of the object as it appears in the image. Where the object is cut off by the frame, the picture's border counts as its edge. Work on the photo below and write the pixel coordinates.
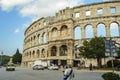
(17, 57)
(95, 48)
(5, 59)
(118, 52)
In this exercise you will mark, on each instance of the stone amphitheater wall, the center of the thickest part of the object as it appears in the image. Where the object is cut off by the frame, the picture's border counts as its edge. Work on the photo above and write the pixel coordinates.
(58, 31)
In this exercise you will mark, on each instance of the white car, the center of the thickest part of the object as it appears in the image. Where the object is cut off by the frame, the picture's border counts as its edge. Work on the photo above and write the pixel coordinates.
(38, 67)
(53, 67)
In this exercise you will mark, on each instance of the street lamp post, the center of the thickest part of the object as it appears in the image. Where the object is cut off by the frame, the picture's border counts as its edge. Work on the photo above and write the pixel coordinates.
(1, 58)
(110, 50)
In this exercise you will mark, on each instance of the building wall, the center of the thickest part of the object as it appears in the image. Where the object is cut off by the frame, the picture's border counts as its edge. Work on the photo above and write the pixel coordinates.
(50, 35)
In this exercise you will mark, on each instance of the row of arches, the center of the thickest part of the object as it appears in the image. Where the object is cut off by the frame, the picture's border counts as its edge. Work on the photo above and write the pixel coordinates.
(101, 30)
(41, 39)
(63, 51)
(36, 54)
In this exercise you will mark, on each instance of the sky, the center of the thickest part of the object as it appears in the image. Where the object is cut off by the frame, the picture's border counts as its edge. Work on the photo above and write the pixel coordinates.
(17, 15)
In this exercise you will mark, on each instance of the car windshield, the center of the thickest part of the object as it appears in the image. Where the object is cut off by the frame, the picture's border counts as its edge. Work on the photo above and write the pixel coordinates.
(10, 64)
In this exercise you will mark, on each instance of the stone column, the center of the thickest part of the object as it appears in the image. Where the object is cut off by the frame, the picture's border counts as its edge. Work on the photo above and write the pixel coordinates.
(42, 39)
(94, 29)
(70, 61)
(107, 30)
(82, 32)
(58, 51)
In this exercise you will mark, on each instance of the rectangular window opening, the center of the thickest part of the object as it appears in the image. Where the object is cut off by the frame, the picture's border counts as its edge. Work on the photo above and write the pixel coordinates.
(88, 13)
(112, 10)
(100, 11)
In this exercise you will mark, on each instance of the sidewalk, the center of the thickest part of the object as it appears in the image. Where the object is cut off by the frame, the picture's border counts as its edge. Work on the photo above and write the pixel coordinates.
(96, 70)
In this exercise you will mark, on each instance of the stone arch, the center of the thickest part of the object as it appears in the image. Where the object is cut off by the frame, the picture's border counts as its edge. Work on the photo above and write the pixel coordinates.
(31, 41)
(43, 53)
(38, 53)
(34, 39)
(30, 54)
(54, 33)
(89, 31)
(63, 50)
(27, 54)
(39, 39)
(77, 32)
(33, 54)
(44, 37)
(114, 29)
(64, 27)
(101, 30)
(64, 31)
(53, 51)
(54, 29)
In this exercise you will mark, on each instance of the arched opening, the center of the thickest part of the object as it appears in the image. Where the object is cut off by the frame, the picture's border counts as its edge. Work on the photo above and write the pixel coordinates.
(101, 30)
(38, 53)
(54, 33)
(30, 54)
(33, 54)
(89, 31)
(44, 38)
(63, 50)
(38, 38)
(43, 53)
(64, 31)
(53, 51)
(114, 29)
(77, 32)
(34, 39)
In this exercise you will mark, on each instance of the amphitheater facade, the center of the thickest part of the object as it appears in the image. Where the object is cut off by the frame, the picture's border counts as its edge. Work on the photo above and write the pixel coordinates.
(55, 39)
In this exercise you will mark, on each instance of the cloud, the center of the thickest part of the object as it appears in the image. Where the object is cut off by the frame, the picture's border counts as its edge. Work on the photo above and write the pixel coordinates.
(37, 8)
(43, 8)
(7, 5)
(17, 31)
(22, 28)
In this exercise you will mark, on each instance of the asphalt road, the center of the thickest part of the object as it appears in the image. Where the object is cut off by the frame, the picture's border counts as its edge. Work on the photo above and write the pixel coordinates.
(28, 74)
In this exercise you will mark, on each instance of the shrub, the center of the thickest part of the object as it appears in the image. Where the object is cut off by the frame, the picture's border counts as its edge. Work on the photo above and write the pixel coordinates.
(115, 62)
(110, 76)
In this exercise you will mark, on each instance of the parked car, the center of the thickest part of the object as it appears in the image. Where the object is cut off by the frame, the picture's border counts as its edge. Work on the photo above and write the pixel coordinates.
(10, 67)
(53, 67)
(118, 68)
(38, 67)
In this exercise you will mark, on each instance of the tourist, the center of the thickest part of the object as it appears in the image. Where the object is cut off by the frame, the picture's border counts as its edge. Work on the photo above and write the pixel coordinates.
(68, 73)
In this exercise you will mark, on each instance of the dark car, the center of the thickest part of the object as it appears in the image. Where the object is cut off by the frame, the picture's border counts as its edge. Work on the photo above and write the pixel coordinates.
(38, 67)
(118, 67)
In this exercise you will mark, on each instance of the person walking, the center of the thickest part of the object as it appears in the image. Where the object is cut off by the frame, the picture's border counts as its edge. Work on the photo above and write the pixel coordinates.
(78, 66)
(90, 66)
(68, 73)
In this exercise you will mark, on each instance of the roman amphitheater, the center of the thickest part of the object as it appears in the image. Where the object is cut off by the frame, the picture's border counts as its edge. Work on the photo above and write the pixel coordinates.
(56, 39)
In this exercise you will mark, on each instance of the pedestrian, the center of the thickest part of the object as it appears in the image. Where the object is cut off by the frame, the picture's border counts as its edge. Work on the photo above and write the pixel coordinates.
(90, 66)
(78, 65)
(68, 73)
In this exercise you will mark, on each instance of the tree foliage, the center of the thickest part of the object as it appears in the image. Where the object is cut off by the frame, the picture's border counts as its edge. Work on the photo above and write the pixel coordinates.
(5, 59)
(17, 57)
(95, 48)
(118, 52)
